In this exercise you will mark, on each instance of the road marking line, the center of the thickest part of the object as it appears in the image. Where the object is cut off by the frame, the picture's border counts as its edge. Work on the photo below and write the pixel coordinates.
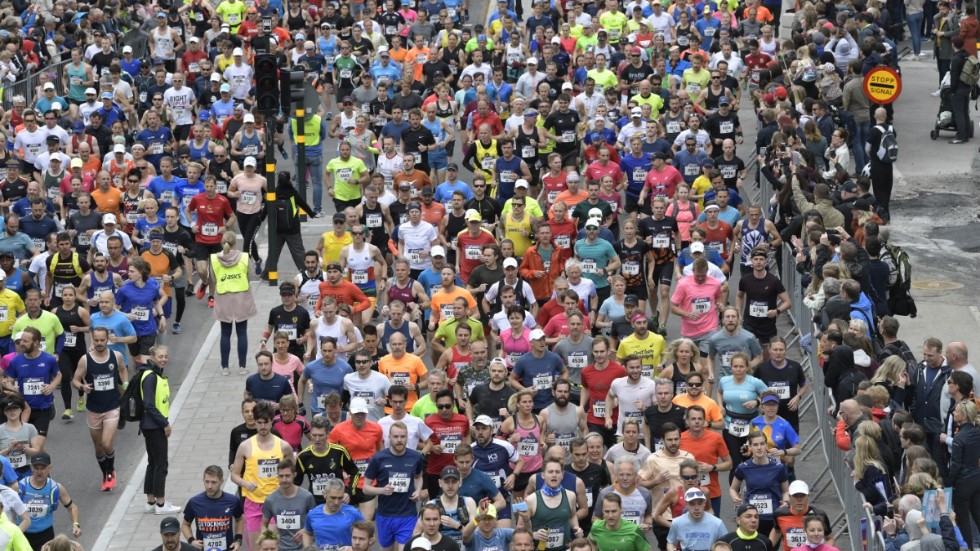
(135, 484)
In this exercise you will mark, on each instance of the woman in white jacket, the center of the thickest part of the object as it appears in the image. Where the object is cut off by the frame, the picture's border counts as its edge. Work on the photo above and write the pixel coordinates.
(838, 154)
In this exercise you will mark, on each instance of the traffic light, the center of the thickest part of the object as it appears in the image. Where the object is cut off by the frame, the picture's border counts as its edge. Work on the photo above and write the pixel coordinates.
(293, 87)
(267, 84)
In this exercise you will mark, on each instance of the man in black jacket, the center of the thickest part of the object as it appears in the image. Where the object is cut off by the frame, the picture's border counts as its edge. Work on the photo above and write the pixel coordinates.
(926, 398)
(961, 92)
(288, 224)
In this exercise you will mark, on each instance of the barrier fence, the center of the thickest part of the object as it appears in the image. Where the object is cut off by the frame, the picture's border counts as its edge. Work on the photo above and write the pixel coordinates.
(855, 522)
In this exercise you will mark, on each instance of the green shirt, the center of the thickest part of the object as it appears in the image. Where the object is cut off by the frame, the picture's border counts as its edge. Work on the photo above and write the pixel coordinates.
(425, 407)
(446, 333)
(346, 175)
(627, 538)
(47, 323)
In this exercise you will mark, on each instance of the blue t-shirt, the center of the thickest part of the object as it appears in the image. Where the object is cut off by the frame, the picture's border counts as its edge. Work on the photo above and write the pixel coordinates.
(38, 230)
(41, 503)
(780, 433)
(696, 536)
(7, 474)
(636, 170)
(326, 379)
(22, 208)
(399, 471)
(119, 325)
(31, 375)
(762, 485)
(165, 190)
(214, 517)
(736, 394)
(478, 485)
(332, 530)
(600, 253)
(539, 374)
(499, 541)
(154, 142)
(144, 226)
(269, 390)
(140, 301)
(185, 192)
(444, 192)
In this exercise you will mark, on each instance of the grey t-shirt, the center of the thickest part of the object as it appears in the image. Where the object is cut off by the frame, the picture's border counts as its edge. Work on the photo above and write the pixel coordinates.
(577, 356)
(723, 346)
(635, 505)
(286, 510)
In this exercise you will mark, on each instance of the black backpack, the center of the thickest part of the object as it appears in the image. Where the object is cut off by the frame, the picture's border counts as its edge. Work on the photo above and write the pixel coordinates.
(287, 215)
(131, 404)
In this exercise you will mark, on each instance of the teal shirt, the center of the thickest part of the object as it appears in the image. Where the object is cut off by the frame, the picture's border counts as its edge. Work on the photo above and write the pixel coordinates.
(595, 257)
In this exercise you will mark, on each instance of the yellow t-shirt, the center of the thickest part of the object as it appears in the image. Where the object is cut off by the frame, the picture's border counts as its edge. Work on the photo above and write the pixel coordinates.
(694, 82)
(656, 103)
(614, 24)
(603, 79)
(650, 350)
(11, 308)
(700, 186)
(332, 245)
(519, 231)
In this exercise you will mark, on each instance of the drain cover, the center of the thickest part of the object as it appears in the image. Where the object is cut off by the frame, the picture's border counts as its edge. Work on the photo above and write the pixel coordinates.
(935, 285)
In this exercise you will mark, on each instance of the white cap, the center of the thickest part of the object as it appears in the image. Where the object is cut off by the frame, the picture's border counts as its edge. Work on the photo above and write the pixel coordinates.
(119, 148)
(510, 262)
(522, 183)
(56, 106)
(237, 51)
(636, 112)
(109, 218)
(595, 213)
(537, 334)
(215, 77)
(798, 487)
(438, 251)
(697, 247)
(567, 86)
(421, 543)
(248, 118)
(92, 91)
(593, 222)
(555, 40)
(49, 86)
(191, 39)
(250, 161)
(127, 49)
(481, 420)
(532, 61)
(3, 276)
(358, 405)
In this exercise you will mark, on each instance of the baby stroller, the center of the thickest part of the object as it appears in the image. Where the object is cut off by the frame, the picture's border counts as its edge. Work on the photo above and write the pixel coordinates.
(944, 118)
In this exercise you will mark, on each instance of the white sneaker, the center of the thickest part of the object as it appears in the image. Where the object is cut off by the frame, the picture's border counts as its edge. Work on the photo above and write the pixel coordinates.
(936, 93)
(167, 509)
(913, 57)
(225, 371)
(149, 508)
(242, 371)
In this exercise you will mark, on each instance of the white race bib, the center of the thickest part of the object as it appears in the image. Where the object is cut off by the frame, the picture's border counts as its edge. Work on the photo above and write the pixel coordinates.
(249, 198)
(103, 383)
(268, 468)
(739, 428)
(542, 382)
(209, 229)
(142, 313)
(758, 309)
(762, 502)
(399, 483)
(527, 447)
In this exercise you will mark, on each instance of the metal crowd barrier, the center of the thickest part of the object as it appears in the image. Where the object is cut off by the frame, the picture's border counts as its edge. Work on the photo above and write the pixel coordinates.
(855, 522)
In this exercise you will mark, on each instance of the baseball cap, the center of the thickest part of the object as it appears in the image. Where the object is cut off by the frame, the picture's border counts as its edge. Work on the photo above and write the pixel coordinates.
(537, 334)
(521, 182)
(106, 95)
(204, 115)
(237, 51)
(41, 458)
(692, 494)
(215, 77)
(56, 106)
(405, 186)
(49, 86)
(798, 487)
(770, 398)
(358, 405)
(249, 118)
(414, 205)
(567, 86)
(781, 93)
(697, 247)
(250, 161)
(77, 163)
(592, 223)
(193, 39)
(339, 217)
(636, 112)
(862, 205)
(473, 215)
(510, 263)
(309, 45)
(595, 213)
(555, 40)
(449, 471)
(438, 250)
(6, 254)
(108, 218)
(52, 140)
(638, 316)
(90, 91)
(225, 87)
(484, 420)
(723, 100)
(127, 49)
(161, 14)
(660, 155)
(287, 288)
(631, 300)
(708, 163)
(744, 508)
(849, 186)
(119, 148)
(452, 166)
(491, 512)
(427, 190)
(532, 61)
(421, 543)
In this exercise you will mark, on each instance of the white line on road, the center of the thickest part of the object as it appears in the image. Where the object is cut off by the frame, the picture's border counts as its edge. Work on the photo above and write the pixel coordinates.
(135, 483)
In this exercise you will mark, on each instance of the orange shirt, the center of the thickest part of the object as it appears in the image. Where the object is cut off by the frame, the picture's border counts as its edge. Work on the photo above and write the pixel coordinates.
(417, 57)
(399, 55)
(433, 213)
(711, 409)
(442, 302)
(107, 202)
(407, 371)
(710, 448)
(160, 265)
(344, 292)
(118, 173)
(361, 444)
(572, 200)
(91, 169)
(418, 179)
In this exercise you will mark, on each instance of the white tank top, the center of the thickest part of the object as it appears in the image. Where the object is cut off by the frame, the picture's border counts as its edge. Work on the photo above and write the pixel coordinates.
(331, 330)
(311, 288)
(388, 168)
(163, 43)
(515, 54)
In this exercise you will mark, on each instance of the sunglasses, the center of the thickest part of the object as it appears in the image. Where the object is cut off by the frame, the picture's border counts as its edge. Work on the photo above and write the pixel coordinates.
(357, 233)
(445, 406)
(362, 361)
(690, 476)
(478, 187)
(695, 385)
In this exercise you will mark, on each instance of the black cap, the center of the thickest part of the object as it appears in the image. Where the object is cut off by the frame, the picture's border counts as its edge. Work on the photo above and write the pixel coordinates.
(333, 266)
(452, 166)
(743, 508)
(862, 204)
(53, 140)
(339, 217)
(170, 525)
(660, 155)
(631, 300)
(41, 458)
(450, 472)
(183, 150)
(287, 288)
(849, 186)
(427, 190)
(414, 205)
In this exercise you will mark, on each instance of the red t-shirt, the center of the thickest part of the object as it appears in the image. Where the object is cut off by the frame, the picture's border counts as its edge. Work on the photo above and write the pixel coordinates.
(211, 215)
(557, 326)
(553, 185)
(447, 434)
(598, 383)
(469, 251)
(361, 444)
(717, 238)
(663, 183)
(596, 171)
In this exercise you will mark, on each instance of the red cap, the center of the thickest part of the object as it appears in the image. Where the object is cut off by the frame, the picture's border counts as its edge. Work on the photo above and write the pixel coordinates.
(769, 98)
(636, 50)
(781, 93)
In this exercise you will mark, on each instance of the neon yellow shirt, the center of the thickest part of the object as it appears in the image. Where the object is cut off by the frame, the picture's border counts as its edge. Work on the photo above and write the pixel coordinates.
(656, 103)
(700, 186)
(650, 350)
(603, 79)
(584, 42)
(232, 13)
(614, 24)
(345, 176)
(48, 324)
(11, 308)
(694, 82)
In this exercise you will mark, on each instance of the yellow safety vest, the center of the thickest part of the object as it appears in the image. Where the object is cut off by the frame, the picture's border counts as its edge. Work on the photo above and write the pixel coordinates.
(162, 398)
(232, 279)
(311, 129)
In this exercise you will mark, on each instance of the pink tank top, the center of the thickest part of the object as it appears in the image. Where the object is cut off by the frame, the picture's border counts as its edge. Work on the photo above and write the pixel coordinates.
(529, 446)
(515, 347)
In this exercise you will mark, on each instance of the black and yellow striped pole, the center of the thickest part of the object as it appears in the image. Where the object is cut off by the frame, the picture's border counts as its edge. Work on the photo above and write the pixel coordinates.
(272, 258)
(297, 99)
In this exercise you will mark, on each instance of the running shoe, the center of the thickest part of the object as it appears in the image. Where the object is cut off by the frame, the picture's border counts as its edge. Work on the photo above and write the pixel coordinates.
(105, 483)
(81, 404)
(211, 302)
(167, 509)
(68, 415)
(110, 482)
(149, 508)
(258, 267)
(176, 330)
(189, 291)
(243, 371)
(200, 291)
(225, 371)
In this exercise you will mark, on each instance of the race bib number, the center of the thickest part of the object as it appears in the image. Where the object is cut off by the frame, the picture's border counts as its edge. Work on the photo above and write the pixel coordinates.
(781, 388)
(739, 428)
(728, 171)
(249, 198)
(399, 483)
(631, 268)
(552, 195)
(705, 479)
(290, 330)
(588, 497)
(726, 127)
(286, 521)
(3, 314)
(528, 152)
(556, 537)
(527, 446)
(361, 465)
(599, 408)
(762, 502)
(578, 360)
(726, 359)
(450, 442)
(18, 459)
(268, 468)
(674, 127)
(796, 537)
(589, 265)
(222, 186)
(400, 379)
(76, 81)
(639, 175)
(701, 305)
(84, 239)
(513, 357)
(209, 229)
(709, 32)
(38, 243)
(692, 170)
(53, 193)
(390, 30)
(568, 136)
(661, 241)
(215, 541)
(374, 220)
(345, 174)
(359, 277)
(446, 312)
(132, 217)
(542, 382)
(658, 444)
(487, 163)
(143, 96)
(563, 241)
(71, 339)
(472, 252)
(33, 388)
(103, 383)
(319, 486)
(156, 149)
(346, 73)
(142, 313)
(758, 309)
(37, 510)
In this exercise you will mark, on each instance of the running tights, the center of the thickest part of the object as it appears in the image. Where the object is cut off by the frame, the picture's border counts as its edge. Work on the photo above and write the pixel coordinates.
(241, 329)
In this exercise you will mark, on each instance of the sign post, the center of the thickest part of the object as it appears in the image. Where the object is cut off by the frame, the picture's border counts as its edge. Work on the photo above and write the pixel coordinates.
(882, 85)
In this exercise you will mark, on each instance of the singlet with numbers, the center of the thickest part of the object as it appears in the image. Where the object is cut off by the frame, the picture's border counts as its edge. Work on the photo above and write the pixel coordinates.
(164, 43)
(105, 380)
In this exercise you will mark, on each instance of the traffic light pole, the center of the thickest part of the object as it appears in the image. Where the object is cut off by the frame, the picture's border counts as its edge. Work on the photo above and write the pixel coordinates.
(272, 258)
(300, 114)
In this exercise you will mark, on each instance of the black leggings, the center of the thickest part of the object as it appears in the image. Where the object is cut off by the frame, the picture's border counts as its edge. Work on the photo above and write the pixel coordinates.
(155, 481)
(249, 224)
(68, 362)
(966, 504)
(241, 331)
(181, 303)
